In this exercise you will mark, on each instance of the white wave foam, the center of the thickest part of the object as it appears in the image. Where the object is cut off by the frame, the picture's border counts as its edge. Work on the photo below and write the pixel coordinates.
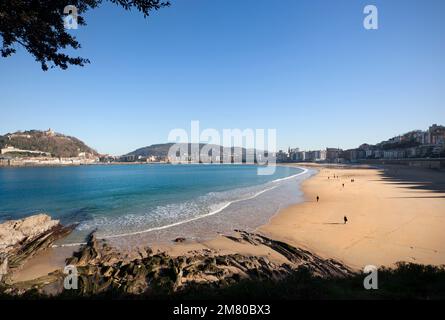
(187, 220)
(293, 176)
(185, 208)
(68, 245)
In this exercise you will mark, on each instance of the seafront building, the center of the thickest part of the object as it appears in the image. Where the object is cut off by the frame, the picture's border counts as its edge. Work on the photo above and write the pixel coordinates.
(415, 144)
(295, 155)
(10, 149)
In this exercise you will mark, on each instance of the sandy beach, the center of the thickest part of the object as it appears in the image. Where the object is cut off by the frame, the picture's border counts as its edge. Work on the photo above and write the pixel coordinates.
(394, 214)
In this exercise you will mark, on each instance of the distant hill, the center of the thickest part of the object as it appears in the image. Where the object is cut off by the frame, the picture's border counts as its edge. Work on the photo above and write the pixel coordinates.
(161, 150)
(156, 150)
(56, 144)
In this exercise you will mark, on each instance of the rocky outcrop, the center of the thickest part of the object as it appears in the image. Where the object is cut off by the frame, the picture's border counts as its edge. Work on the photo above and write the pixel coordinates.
(24, 238)
(3, 266)
(179, 240)
(296, 256)
(101, 268)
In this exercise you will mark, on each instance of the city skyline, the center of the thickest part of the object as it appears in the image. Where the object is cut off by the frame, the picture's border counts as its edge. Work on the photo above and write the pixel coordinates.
(308, 69)
(433, 135)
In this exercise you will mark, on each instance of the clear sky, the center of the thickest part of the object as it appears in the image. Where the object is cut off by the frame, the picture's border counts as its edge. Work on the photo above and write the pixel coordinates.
(307, 68)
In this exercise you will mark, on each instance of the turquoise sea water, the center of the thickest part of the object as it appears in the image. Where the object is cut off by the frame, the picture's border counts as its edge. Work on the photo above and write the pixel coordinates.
(161, 201)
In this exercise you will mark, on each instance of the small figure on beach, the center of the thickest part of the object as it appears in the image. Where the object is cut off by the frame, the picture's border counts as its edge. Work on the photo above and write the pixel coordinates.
(318, 198)
(345, 218)
(343, 185)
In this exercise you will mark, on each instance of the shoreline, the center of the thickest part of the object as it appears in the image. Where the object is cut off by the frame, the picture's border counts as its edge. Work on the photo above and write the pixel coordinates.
(375, 231)
(64, 165)
(392, 215)
(61, 165)
(137, 240)
(165, 234)
(212, 213)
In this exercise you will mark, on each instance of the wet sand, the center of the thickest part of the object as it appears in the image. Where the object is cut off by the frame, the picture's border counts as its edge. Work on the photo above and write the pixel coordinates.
(394, 214)
(41, 264)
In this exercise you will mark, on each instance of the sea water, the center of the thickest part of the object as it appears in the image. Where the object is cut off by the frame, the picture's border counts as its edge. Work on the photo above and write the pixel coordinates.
(157, 202)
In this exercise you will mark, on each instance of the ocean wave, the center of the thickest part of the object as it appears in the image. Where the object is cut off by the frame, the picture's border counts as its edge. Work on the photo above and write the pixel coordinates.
(293, 176)
(175, 214)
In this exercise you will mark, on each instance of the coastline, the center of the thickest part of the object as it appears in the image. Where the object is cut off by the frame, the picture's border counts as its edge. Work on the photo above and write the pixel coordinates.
(392, 216)
(63, 165)
(117, 163)
(133, 242)
(384, 225)
(389, 221)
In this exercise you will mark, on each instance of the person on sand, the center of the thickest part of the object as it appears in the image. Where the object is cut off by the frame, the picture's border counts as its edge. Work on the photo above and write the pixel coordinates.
(345, 218)
(318, 198)
(343, 185)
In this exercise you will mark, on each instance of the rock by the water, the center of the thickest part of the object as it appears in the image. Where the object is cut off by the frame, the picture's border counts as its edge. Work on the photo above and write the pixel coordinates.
(102, 268)
(3, 266)
(22, 239)
(15, 231)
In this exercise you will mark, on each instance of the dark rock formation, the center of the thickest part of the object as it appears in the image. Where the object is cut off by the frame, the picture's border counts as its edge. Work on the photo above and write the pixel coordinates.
(22, 239)
(297, 256)
(179, 240)
(102, 269)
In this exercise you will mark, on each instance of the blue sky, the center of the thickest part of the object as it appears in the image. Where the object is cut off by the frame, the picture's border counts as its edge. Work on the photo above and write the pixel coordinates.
(307, 68)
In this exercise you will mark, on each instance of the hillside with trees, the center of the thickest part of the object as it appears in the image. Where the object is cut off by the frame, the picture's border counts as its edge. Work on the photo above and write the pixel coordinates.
(58, 145)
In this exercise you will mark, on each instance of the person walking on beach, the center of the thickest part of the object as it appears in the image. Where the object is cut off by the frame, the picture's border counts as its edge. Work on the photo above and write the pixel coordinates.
(343, 185)
(345, 218)
(318, 198)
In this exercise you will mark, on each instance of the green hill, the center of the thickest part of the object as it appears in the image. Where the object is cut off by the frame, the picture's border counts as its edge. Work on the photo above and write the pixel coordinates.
(58, 145)
(162, 150)
(155, 150)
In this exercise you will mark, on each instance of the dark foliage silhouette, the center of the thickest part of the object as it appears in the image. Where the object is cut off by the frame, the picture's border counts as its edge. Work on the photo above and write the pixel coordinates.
(38, 26)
